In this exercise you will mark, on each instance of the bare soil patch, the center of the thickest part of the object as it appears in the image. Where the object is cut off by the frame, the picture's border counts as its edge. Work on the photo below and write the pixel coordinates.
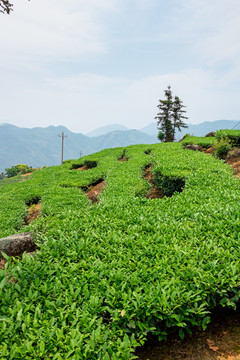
(34, 211)
(2, 263)
(84, 167)
(154, 192)
(94, 190)
(123, 158)
(234, 162)
(26, 174)
(221, 341)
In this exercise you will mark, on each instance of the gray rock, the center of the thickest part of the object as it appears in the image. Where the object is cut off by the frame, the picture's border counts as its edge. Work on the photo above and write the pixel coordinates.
(193, 147)
(211, 134)
(233, 153)
(15, 245)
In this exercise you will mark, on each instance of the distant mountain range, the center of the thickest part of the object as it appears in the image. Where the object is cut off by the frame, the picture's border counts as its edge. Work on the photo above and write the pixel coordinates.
(41, 146)
(193, 129)
(106, 129)
(38, 147)
(196, 129)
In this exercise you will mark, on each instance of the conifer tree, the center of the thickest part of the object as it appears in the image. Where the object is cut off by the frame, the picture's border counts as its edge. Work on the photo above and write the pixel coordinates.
(170, 116)
(177, 114)
(5, 6)
(164, 117)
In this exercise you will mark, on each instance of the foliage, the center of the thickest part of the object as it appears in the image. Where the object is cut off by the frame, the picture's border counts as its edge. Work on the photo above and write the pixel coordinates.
(232, 135)
(12, 180)
(178, 114)
(170, 116)
(205, 142)
(109, 274)
(18, 169)
(160, 136)
(147, 151)
(88, 163)
(5, 6)
(222, 147)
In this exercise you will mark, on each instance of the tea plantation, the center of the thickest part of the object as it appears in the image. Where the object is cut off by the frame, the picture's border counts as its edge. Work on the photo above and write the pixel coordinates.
(109, 273)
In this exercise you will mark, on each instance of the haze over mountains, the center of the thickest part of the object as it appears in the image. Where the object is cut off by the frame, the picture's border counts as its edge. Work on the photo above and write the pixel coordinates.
(38, 146)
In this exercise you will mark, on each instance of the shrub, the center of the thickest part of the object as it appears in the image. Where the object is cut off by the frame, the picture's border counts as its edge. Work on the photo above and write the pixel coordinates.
(90, 163)
(233, 135)
(222, 147)
(18, 169)
(147, 151)
(204, 142)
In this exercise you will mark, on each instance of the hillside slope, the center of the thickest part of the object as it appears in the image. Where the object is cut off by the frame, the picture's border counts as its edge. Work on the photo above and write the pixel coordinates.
(111, 272)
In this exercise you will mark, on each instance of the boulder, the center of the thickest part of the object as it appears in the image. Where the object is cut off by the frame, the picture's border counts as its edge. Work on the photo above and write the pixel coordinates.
(211, 134)
(193, 147)
(15, 245)
(235, 153)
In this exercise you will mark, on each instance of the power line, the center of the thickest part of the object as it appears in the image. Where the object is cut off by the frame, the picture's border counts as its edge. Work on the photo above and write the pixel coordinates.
(236, 125)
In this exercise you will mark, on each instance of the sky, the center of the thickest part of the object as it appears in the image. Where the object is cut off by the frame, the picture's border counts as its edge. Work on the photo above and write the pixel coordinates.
(91, 63)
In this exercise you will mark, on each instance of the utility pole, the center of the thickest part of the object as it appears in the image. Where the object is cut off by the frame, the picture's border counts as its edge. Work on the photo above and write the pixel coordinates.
(80, 154)
(62, 136)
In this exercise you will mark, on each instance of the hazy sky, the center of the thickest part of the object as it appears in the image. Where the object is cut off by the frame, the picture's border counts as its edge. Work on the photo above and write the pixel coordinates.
(90, 63)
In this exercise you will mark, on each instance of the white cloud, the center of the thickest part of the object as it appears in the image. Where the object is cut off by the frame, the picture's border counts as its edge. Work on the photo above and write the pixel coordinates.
(87, 101)
(55, 30)
(212, 26)
(42, 31)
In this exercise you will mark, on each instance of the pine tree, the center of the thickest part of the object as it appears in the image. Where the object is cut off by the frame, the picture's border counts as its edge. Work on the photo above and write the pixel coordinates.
(170, 116)
(177, 114)
(164, 120)
(5, 6)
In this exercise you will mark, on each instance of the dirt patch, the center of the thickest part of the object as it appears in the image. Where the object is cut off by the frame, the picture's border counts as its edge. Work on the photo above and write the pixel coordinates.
(84, 167)
(34, 211)
(27, 174)
(234, 162)
(94, 190)
(209, 150)
(123, 158)
(154, 192)
(221, 341)
(2, 263)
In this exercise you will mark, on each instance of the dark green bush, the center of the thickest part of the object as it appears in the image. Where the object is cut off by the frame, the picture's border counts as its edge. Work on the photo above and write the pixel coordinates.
(232, 135)
(147, 151)
(90, 163)
(76, 166)
(169, 184)
(222, 147)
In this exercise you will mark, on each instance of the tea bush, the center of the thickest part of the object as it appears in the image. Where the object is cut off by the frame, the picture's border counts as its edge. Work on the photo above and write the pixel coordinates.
(108, 274)
(232, 135)
(205, 142)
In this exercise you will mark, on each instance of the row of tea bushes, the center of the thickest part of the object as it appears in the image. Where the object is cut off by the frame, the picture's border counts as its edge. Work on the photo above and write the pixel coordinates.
(110, 273)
